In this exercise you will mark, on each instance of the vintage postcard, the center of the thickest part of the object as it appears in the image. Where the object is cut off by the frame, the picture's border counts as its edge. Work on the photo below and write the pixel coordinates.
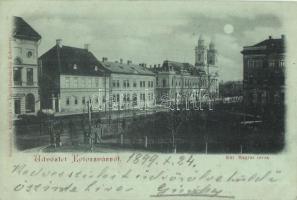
(136, 100)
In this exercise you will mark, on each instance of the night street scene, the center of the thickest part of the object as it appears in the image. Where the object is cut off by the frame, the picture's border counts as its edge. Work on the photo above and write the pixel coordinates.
(206, 86)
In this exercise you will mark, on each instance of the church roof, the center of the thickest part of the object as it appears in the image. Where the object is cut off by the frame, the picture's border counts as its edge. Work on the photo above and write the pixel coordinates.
(23, 30)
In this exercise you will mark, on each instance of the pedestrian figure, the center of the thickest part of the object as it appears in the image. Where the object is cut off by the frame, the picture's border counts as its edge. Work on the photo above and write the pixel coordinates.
(97, 131)
(71, 131)
(51, 133)
(59, 131)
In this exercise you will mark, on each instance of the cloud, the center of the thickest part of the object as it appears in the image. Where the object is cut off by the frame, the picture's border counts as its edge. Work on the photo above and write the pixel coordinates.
(152, 32)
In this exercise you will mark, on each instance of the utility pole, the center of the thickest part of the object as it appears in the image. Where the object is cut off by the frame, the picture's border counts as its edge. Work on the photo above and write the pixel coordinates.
(90, 124)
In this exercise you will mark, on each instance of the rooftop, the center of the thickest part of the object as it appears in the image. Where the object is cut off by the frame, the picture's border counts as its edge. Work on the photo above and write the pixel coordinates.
(269, 45)
(129, 68)
(23, 30)
(73, 61)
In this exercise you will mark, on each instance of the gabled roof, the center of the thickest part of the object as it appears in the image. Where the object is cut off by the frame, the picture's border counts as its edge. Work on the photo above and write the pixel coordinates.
(121, 68)
(72, 61)
(267, 46)
(23, 30)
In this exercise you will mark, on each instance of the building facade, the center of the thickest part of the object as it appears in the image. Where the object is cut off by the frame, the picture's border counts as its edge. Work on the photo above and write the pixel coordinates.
(132, 86)
(180, 82)
(263, 74)
(71, 79)
(25, 41)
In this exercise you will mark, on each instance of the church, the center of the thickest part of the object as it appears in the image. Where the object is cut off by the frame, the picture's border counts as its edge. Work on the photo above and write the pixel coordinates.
(177, 82)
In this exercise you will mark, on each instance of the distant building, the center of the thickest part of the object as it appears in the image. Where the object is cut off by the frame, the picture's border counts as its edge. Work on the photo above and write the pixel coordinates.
(179, 82)
(70, 78)
(25, 42)
(231, 89)
(131, 85)
(263, 74)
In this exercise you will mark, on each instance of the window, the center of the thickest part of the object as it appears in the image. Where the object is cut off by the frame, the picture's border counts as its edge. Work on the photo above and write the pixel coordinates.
(83, 82)
(17, 76)
(17, 106)
(140, 83)
(281, 63)
(113, 83)
(152, 84)
(83, 101)
(29, 76)
(124, 83)
(118, 97)
(75, 101)
(17, 51)
(164, 82)
(76, 82)
(89, 83)
(118, 83)
(128, 97)
(30, 103)
(142, 97)
(67, 82)
(68, 101)
(271, 63)
(97, 82)
(124, 97)
(128, 84)
(134, 98)
(29, 54)
(134, 84)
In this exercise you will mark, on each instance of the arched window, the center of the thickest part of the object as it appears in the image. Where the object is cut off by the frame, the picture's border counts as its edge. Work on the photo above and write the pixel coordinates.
(134, 99)
(164, 82)
(30, 103)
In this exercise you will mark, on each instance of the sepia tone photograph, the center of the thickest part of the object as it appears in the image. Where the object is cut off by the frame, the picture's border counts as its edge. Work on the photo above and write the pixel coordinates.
(172, 81)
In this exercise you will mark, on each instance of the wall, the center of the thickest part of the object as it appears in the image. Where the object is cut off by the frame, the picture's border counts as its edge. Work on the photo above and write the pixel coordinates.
(24, 60)
(149, 92)
(85, 88)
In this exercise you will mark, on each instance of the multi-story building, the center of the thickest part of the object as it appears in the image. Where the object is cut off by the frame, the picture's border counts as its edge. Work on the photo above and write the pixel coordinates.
(25, 41)
(263, 74)
(206, 60)
(179, 82)
(131, 85)
(71, 78)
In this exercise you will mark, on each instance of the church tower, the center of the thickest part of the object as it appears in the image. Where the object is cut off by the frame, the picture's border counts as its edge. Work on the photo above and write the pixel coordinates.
(201, 54)
(212, 54)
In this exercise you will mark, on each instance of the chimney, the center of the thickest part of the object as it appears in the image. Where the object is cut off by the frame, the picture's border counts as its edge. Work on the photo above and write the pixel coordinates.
(283, 36)
(121, 60)
(87, 46)
(104, 59)
(270, 37)
(129, 62)
(159, 65)
(59, 43)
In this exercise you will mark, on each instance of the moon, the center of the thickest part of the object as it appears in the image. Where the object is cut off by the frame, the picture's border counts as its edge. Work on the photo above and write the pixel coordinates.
(228, 28)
